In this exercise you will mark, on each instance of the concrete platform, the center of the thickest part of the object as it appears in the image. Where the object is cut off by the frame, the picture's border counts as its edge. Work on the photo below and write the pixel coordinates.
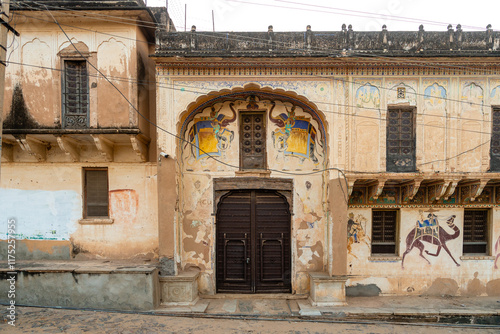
(114, 285)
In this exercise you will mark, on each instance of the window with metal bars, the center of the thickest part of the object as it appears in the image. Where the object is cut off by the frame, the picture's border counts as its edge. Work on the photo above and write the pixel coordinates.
(253, 140)
(96, 193)
(384, 230)
(475, 232)
(495, 141)
(75, 97)
(401, 143)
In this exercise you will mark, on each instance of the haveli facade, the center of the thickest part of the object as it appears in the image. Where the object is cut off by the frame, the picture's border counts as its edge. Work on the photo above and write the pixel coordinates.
(310, 163)
(391, 136)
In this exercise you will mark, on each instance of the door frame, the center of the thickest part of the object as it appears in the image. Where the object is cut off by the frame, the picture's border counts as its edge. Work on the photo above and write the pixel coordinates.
(284, 187)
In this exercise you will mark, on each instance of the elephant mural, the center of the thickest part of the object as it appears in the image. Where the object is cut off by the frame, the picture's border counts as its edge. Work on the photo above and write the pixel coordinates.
(429, 231)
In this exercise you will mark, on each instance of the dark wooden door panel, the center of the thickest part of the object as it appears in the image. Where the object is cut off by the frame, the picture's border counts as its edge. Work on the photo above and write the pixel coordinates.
(253, 242)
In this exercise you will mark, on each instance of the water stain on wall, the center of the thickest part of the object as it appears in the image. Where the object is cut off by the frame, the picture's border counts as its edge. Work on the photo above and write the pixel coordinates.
(442, 286)
(362, 290)
(124, 204)
(475, 287)
(19, 116)
(493, 288)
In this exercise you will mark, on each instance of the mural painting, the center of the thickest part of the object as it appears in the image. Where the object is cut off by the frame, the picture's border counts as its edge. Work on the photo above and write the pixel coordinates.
(435, 97)
(368, 96)
(497, 252)
(473, 94)
(296, 135)
(209, 134)
(429, 231)
(356, 232)
(495, 94)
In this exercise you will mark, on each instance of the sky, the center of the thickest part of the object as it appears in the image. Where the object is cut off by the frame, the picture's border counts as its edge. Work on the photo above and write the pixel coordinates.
(329, 15)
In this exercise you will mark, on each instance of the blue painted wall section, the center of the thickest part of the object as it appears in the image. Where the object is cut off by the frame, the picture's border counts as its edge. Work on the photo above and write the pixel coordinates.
(40, 215)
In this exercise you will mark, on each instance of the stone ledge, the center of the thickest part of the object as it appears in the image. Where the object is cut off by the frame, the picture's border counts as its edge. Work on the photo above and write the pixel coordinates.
(253, 173)
(96, 221)
(384, 258)
(477, 257)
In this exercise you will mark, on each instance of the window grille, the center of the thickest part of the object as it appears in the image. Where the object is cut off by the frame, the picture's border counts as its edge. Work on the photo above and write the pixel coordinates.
(495, 141)
(75, 94)
(384, 232)
(401, 141)
(475, 232)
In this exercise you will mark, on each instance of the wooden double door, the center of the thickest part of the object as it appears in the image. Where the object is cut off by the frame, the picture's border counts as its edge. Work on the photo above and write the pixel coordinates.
(253, 243)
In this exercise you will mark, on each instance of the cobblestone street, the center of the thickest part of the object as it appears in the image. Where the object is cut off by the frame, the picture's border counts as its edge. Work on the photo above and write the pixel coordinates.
(46, 320)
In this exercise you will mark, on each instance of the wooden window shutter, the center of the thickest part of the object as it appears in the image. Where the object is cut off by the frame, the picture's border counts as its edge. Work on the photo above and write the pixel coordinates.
(384, 225)
(96, 193)
(475, 232)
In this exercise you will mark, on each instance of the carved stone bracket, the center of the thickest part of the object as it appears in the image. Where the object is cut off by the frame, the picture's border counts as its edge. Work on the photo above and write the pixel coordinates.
(140, 146)
(350, 186)
(33, 146)
(415, 185)
(452, 185)
(69, 146)
(440, 190)
(104, 146)
(375, 189)
(477, 189)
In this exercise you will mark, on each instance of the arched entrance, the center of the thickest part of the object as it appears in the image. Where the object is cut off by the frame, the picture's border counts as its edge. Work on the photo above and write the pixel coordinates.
(253, 249)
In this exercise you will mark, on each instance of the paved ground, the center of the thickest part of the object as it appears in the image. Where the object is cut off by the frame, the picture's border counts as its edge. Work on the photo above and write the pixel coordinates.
(357, 307)
(46, 320)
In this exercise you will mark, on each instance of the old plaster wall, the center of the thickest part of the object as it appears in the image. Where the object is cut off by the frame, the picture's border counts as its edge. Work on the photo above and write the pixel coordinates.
(196, 228)
(48, 221)
(453, 115)
(42, 50)
(373, 274)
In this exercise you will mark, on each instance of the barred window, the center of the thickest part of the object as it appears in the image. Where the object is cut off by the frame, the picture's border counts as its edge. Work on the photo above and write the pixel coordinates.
(401, 143)
(495, 141)
(75, 94)
(475, 232)
(96, 193)
(384, 225)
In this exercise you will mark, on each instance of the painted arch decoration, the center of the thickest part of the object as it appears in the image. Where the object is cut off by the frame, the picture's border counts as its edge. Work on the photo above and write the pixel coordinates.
(209, 134)
(296, 135)
(210, 127)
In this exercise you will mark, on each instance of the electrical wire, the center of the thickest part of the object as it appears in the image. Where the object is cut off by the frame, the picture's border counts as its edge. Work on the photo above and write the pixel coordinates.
(182, 139)
(224, 34)
(174, 135)
(239, 38)
(265, 103)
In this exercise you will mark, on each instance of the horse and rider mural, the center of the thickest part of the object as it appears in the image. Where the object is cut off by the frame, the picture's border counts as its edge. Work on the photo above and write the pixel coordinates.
(430, 232)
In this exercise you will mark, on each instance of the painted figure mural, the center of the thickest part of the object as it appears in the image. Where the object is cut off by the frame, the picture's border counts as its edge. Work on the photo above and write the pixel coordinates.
(368, 96)
(429, 231)
(435, 97)
(296, 135)
(209, 134)
(497, 252)
(356, 232)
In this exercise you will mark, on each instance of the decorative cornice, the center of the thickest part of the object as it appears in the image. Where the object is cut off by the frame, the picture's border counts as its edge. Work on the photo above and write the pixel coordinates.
(325, 68)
